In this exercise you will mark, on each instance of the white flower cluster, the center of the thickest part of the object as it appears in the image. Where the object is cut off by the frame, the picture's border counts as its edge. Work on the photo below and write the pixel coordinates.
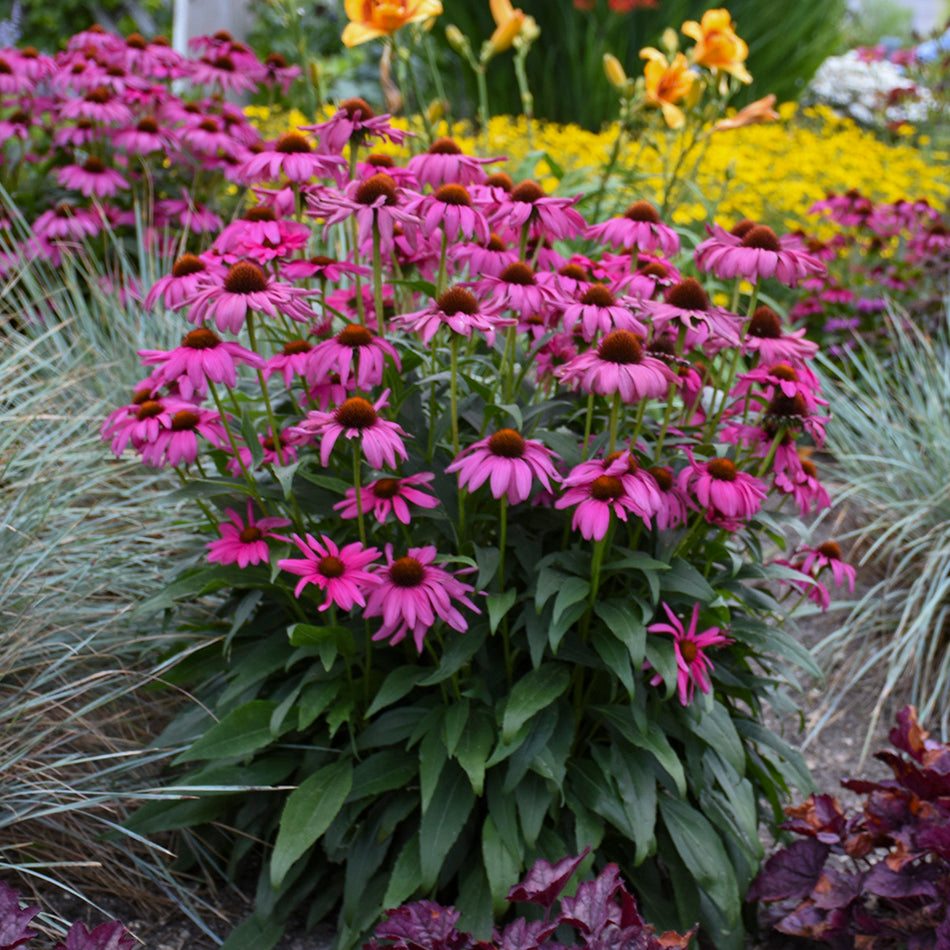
(860, 90)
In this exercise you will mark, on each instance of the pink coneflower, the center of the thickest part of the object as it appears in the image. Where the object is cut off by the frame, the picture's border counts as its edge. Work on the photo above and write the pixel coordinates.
(598, 311)
(354, 344)
(827, 555)
(619, 365)
(459, 311)
(693, 666)
(773, 344)
(639, 228)
(245, 288)
(528, 204)
(208, 137)
(444, 163)
(450, 209)
(674, 501)
(243, 541)
(729, 496)
(188, 274)
(140, 421)
(381, 441)
(228, 71)
(187, 214)
(290, 361)
(97, 105)
(202, 357)
(339, 572)
(260, 227)
(686, 307)
(376, 162)
(379, 201)
(485, 260)
(66, 222)
(517, 288)
(758, 253)
(145, 137)
(601, 486)
(782, 379)
(802, 484)
(280, 73)
(92, 178)
(387, 495)
(291, 156)
(322, 268)
(274, 451)
(178, 442)
(414, 593)
(510, 461)
(354, 122)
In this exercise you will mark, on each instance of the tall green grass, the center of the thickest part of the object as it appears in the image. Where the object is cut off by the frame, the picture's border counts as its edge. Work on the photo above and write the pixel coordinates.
(84, 539)
(890, 430)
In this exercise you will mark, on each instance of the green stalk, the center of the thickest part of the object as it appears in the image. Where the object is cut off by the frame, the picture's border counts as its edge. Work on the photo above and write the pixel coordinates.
(527, 99)
(588, 424)
(453, 391)
(378, 277)
(483, 116)
(615, 420)
(359, 498)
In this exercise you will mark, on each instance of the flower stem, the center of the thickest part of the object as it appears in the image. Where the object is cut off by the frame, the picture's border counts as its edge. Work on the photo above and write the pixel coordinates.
(453, 391)
(359, 495)
(378, 277)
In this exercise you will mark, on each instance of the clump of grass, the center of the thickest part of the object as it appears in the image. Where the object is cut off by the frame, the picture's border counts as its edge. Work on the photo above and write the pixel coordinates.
(83, 540)
(891, 435)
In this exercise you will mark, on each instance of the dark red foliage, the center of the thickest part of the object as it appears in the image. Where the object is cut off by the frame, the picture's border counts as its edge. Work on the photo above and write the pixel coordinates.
(879, 879)
(602, 913)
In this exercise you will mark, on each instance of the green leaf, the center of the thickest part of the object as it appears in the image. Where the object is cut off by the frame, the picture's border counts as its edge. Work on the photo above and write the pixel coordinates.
(704, 854)
(498, 606)
(243, 731)
(406, 878)
(683, 578)
(461, 648)
(533, 796)
(456, 716)
(715, 726)
(473, 748)
(648, 736)
(572, 591)
(399, 682)
(474, 902)
(255, 933)
(439, 829)
(487, 560)
(615, 657)
(307, 814)
(637, 786)
(628, 628)
(549, 583)
(432, 759)
(381, 772)
(315, 699)
(501, 868)
(532, 693)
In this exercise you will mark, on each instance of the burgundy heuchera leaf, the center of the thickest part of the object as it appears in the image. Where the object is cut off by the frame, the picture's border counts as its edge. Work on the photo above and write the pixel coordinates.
(108, 936)
(426, 925)
(14, 920)
(791, 873)
(545, 881)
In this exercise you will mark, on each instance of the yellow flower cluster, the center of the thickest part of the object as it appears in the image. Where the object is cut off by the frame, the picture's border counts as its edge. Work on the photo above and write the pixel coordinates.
(771, 173)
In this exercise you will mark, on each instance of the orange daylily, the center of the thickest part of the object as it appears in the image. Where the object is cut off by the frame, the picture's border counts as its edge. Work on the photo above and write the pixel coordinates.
(667, 83)
(510, 22)
(371, 19)
(762, 110)
(717, 45)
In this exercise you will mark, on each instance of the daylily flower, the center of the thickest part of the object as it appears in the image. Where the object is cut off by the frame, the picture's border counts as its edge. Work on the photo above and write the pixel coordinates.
(510, 23)
(717, 45)
(667, 83)
(371, 19)
(755, 113)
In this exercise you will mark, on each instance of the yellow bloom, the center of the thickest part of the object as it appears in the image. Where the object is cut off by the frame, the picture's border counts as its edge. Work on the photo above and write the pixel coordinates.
(371, 19)
(510, 23)
(614, 71)
(667, 83)
(762, 110)
(717, 45)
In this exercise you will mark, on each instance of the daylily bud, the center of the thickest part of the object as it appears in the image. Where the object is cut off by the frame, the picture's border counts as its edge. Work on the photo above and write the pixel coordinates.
(456, 39)
(614, 71)
(670, 41)
(505, 33)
